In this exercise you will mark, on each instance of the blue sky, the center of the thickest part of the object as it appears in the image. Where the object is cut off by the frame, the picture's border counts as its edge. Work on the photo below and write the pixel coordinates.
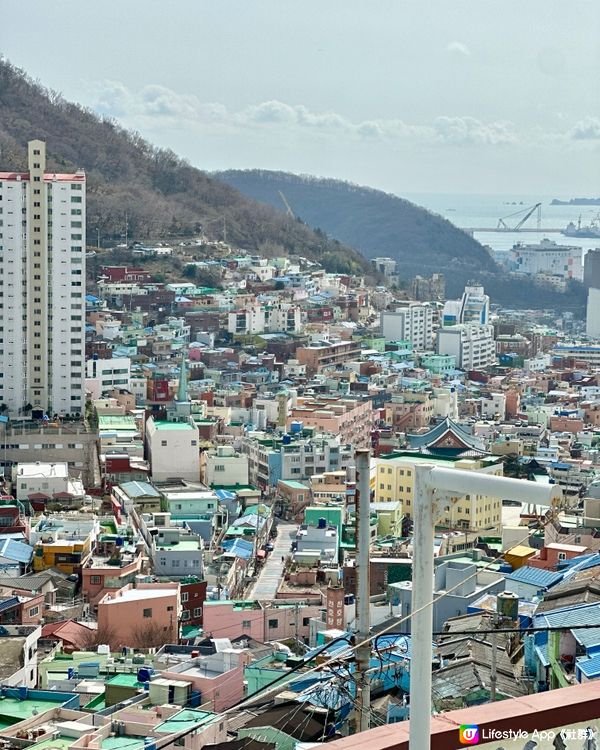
(464, 96)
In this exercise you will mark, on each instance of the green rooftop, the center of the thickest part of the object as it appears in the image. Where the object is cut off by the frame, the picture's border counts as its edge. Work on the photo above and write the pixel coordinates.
(186, 719)
(118, 422)
(60, 743)
(122, 743)
(164, 425)
(125, 680)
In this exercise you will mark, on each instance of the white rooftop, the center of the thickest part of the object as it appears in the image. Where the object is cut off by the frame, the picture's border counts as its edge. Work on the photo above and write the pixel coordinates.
(39, 469)
(133, 595)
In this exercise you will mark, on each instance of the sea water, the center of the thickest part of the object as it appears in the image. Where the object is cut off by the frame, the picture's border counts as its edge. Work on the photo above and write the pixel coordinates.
(467, 210)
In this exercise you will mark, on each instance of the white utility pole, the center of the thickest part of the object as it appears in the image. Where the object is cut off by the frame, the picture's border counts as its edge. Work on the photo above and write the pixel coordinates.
(436, 489)
(363, 538)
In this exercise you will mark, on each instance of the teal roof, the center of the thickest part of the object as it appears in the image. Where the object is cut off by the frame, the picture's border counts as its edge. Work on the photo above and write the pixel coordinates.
(423, 441)
(140, 489)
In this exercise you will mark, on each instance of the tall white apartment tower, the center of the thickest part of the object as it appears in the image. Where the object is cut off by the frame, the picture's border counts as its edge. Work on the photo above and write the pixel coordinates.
(42, 289)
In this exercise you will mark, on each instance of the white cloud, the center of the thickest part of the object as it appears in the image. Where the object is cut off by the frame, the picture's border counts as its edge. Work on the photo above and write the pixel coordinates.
(465, 131)
(587, 129)
(458, 48)
(155, 104)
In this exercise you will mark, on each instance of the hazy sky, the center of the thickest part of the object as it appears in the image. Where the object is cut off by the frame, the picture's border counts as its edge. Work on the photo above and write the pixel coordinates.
(410, 96)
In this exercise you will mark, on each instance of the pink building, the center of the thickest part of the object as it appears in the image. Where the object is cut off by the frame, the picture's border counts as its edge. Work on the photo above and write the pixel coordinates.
(550, 555)
(140, 616)
(219, 677)
(230, 619)
(349, 418)
(566, 424)
(103, 577)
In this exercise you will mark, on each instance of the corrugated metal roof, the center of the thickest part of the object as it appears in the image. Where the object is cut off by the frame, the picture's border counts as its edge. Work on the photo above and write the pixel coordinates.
(17, 551)
(542, 653)
(9, 603)
(586, 614)
(590, 667)
(139, 489)
(535, 576)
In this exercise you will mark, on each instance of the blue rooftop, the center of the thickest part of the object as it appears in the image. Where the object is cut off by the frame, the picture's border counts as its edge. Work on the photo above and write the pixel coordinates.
(590, 667)
(16, 551)
(544, 579)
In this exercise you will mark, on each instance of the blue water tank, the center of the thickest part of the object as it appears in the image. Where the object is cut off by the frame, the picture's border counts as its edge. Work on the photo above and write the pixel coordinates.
(322, 523)
(22, 693)
(287, 439)
(296, 427)
(119, 541)
(195, 699)
(144, 674)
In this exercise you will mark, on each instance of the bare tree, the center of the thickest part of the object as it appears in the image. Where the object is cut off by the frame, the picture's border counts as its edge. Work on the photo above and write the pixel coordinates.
(151, 635)
(97, 636)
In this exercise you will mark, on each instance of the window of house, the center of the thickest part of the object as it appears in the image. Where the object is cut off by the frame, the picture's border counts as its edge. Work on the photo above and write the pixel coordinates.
(185, 615)
(274, 623)
(163, 443)
(95, 580)
(169, 609)
(185, 596)
(246, 624)
(148, 612)
(34, 611)
(197, 611)
(305, 621)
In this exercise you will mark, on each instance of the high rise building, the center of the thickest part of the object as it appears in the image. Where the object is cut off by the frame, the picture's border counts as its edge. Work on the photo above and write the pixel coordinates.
(42, 292)
(473, 307)
(412, 322)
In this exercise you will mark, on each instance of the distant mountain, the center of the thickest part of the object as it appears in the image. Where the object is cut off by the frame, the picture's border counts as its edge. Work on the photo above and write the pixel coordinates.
(375, 222)
(381, 224)
(164, 196)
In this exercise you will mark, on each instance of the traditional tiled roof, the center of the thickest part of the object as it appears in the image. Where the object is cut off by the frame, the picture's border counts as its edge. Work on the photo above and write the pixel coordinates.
(447, 436)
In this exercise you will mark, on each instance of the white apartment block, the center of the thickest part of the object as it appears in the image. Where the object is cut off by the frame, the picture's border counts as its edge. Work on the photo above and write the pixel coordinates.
(472, 345)
(412, 322)
(42, 278)
(565, 261)
(267, 318)
(173, 449)
(109, 373)
(225, 466)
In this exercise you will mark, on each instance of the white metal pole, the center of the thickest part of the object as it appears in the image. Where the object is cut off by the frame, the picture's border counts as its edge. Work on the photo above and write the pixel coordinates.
(422, 611)
(363, 653)
(453, 482)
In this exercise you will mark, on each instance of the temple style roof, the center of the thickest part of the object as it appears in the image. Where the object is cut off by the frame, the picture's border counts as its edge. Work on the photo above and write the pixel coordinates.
(447, 438)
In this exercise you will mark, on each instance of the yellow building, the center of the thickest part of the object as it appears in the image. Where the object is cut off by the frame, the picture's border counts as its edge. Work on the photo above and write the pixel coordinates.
(66, 555)
(389, 518)
(395, 483)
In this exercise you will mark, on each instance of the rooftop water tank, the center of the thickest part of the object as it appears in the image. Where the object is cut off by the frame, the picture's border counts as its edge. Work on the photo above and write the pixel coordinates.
(296, 427)
(287, 439)
(322, 523)
(507, 605)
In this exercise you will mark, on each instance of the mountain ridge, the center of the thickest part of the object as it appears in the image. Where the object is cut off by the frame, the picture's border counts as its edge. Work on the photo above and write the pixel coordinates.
(162, 194)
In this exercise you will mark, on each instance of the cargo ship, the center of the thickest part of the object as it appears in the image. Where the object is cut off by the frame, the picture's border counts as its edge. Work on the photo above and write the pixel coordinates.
(591, 231)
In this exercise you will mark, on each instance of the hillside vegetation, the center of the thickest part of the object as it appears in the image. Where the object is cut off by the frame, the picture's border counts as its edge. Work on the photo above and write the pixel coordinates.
(375, 222)
(381, 224)
(162, 194)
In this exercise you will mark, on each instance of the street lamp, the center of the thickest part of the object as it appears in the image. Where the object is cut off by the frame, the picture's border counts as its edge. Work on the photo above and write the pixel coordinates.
(436, 489)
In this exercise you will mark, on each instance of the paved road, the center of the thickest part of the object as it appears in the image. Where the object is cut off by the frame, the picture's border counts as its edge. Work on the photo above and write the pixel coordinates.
(270, 575)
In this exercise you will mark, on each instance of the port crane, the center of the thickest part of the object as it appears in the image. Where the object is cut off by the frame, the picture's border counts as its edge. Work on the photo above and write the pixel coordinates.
(524, 213)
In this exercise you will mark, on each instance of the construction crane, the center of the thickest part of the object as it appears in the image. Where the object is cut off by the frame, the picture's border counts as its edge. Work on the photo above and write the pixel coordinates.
(289, 211)
(503, 226)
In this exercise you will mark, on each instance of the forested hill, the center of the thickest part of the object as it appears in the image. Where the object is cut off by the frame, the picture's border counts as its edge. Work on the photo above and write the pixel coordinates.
(380, 224)
(375, 222)
(162, 194)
